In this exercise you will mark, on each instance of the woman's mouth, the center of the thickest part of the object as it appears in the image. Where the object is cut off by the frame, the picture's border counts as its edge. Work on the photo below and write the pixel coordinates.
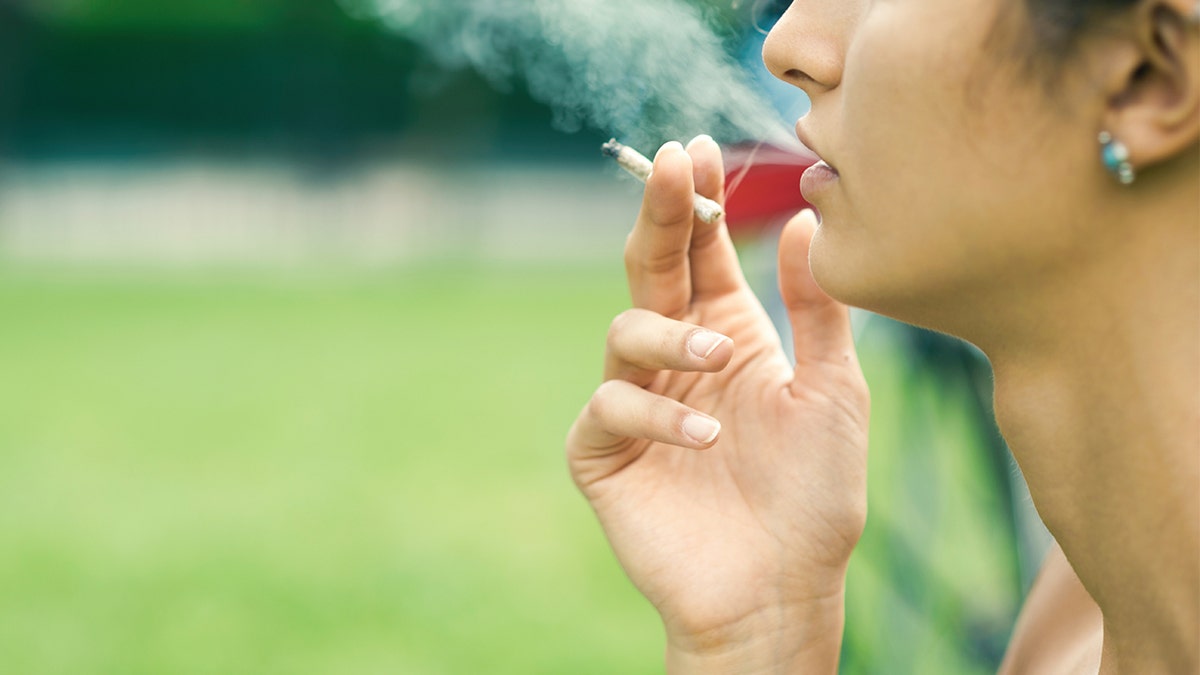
(818, 178)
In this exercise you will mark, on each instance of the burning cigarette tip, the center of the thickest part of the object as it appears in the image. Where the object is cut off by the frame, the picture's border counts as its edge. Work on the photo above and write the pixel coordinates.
(640, 167)
(612, 148)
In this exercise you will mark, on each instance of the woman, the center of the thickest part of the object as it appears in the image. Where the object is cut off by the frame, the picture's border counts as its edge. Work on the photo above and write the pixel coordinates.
(1024, 175)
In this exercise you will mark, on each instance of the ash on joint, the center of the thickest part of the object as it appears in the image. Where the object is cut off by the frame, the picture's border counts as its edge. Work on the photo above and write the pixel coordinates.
(612, 148)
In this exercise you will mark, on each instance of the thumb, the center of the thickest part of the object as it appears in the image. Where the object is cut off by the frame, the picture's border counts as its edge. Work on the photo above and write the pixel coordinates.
(820, 325)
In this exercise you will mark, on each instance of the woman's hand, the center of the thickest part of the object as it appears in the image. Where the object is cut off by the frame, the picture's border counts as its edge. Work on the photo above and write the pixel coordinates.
(739, 534)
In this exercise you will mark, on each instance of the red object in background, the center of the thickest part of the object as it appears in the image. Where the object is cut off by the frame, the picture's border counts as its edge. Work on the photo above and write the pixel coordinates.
(769, 190)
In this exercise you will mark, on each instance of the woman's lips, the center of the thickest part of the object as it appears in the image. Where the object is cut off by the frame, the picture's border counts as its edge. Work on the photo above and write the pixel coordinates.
(818, 178)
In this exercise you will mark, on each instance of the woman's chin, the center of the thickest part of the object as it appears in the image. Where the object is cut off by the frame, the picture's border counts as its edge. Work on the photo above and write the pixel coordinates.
(849, 277)
(834, 273)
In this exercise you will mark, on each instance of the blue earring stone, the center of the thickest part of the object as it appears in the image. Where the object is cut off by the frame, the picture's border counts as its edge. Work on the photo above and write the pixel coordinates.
(1115, 156)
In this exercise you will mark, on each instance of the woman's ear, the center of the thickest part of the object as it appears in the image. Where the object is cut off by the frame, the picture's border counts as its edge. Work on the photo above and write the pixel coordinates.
(1152, 82)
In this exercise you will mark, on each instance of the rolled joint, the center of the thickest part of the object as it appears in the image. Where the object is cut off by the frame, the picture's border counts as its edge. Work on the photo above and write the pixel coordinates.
(639, 166)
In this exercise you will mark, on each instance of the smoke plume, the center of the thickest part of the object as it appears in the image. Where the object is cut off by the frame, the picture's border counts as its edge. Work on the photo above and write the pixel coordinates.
(643, 70)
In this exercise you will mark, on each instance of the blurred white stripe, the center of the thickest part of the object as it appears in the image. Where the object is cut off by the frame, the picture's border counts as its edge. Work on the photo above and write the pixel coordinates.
(186, 214)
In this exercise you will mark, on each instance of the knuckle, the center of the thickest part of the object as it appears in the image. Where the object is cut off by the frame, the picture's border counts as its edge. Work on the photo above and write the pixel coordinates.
(618, 326)
(603, 403)
(631, 256)
(636, 245)
(663, 262)
(648, 254)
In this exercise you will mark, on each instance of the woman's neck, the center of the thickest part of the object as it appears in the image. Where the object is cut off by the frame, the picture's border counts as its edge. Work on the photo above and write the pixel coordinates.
(1098, 395)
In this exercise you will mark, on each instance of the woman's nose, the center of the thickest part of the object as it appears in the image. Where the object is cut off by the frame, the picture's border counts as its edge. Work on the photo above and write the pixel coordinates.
(807, 47)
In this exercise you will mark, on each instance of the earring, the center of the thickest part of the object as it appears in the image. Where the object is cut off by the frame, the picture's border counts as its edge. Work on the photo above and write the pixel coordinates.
(1115, 156)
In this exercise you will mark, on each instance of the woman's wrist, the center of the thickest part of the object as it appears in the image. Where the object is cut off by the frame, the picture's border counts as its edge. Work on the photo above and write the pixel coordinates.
(798, 638)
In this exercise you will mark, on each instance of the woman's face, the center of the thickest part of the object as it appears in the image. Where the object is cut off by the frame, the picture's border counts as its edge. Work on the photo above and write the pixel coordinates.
(956, 177)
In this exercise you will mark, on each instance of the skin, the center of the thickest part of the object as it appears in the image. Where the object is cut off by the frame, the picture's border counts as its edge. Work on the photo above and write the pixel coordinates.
(970, 199)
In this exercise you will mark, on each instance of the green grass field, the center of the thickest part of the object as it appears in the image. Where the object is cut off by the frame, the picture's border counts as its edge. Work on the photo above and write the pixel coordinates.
(354, 474)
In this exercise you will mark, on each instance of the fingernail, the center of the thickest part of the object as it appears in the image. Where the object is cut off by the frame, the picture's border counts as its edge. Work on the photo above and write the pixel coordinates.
(701, 429)
(674, 145)
(702, 138)
(703, 343)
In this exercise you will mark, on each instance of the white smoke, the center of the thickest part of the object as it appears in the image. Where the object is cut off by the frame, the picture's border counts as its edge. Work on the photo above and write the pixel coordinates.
(643, 70)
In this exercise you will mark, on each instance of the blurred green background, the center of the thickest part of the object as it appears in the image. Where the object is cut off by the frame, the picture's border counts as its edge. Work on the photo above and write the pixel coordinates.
(294, 322)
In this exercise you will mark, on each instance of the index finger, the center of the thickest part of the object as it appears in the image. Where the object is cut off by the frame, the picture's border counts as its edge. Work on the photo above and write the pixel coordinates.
(656, 253)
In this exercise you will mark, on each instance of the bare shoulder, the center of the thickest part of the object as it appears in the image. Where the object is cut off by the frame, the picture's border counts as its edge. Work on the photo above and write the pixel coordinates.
(1060, 629)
